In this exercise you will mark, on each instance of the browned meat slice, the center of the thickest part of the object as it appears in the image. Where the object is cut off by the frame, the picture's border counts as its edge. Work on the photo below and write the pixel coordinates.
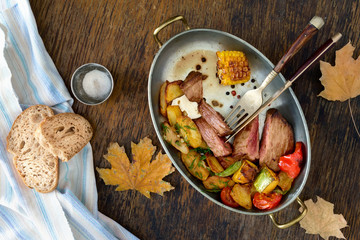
(226, 162)
(214, 119)
(246, 142)
(192, 86)
(216, 144)
(277, 139)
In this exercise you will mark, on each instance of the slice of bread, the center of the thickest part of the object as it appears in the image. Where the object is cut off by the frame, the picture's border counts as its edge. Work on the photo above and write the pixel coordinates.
(64, 134)
(37, 167)
(21, 138)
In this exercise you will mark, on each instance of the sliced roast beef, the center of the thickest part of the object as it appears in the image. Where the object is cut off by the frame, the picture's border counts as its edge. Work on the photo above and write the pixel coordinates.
(214, 119)
(277, 139)
(216, 144)
(246, 142)
(192, 86)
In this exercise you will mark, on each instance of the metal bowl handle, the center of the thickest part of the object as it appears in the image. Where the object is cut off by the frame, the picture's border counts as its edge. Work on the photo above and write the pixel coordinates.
(294, 221)
(166, 23)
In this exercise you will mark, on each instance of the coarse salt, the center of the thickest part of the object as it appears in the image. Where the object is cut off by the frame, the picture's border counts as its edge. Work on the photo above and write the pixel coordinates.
(96, 84)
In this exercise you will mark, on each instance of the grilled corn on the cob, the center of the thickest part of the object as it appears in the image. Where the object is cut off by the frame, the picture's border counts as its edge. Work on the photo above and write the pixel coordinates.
(232, 67)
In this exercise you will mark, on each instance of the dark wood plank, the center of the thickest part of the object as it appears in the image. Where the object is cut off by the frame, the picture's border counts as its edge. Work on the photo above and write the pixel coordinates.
(118, 34)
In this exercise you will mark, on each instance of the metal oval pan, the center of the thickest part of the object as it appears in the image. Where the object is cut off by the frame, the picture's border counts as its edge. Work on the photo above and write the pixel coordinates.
(169, 64)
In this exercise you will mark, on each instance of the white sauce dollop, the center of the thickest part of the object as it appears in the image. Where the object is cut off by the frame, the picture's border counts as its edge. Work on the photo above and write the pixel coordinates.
(96, 84)
(191, 108)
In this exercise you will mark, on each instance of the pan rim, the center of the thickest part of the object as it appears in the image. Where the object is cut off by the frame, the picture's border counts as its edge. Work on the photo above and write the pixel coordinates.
(302, 116)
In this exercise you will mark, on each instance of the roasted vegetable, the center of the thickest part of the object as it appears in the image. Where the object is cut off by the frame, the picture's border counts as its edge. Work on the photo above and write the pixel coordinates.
(279, 191)
(203, 145)
(170, 135)
(163, 103)
(246, 172)
(217, 183)
(213, 163)
(227, 199)
(232, 67)
(189, 131)
(291, 163)
(173, 91)
(195, 165)
(253, 190)
(266, 201)
(230, 170)
(266, 181)
(285, 181)
(202, 150)
(242, 195)
(172, 113)
(227, 161)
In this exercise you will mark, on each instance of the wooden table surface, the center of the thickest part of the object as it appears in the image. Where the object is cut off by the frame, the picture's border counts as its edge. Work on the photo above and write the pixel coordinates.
(118, 34)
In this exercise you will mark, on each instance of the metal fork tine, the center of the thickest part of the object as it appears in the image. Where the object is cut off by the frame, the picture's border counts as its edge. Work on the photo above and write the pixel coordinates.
(235, 116)
(233, 124)
(241, 121)
(232, 111)
(237, 127)
(239, 118)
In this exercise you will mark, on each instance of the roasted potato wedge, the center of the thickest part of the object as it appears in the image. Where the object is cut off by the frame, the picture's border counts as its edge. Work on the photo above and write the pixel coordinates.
(196, 166)
(170, 135)
(203, 145)
(173, 91)
(214, 164)
(226, 161)
(163, 103)
(252, 190)
(285, 181)
(172, 113)
(189, 131)
(242, 195)
(218, 183)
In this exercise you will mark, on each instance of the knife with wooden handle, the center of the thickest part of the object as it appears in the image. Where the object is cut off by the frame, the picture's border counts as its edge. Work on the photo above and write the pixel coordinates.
(309, 62)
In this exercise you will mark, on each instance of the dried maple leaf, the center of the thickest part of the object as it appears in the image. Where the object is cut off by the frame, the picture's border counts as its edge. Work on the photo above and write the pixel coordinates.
(143, 174)
(342, 81)
(321, 219)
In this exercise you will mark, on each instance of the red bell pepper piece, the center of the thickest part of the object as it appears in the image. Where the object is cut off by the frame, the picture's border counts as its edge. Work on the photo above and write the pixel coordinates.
(291, 163)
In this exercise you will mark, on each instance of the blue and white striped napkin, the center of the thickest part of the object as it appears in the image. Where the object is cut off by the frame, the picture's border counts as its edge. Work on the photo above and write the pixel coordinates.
(28, 76)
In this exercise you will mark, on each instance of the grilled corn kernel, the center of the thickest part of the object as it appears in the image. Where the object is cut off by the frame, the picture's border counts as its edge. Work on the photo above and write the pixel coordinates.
(232, 67)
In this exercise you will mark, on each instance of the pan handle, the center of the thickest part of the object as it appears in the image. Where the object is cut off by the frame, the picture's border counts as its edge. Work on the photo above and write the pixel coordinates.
(294, 221)
(166, 23)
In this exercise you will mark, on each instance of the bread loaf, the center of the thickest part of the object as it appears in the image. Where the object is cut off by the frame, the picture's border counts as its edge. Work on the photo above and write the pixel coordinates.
(37, 167)
(64, 134)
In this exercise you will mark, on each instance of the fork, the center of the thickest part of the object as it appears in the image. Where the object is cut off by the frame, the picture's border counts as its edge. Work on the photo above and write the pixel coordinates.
(309, 62)
(253, 99)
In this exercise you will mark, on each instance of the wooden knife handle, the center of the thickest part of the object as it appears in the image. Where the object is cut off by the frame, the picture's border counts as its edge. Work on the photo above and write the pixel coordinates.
(315, 56)
(314, 25)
